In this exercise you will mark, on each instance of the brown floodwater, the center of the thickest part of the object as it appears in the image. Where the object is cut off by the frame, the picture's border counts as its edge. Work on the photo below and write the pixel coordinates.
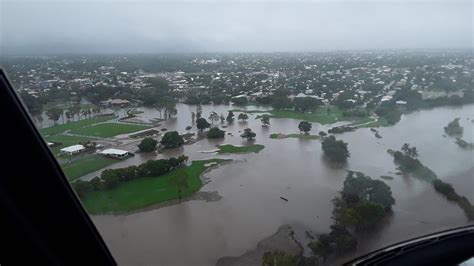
(199, 233)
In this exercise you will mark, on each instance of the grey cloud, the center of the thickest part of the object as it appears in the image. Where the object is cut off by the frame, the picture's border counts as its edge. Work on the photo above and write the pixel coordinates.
(157, 27)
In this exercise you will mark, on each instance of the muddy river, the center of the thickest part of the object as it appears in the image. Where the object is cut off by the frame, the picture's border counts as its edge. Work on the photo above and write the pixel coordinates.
(199, 232)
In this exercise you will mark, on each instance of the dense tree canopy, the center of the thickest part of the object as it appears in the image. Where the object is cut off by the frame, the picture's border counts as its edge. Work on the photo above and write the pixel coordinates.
(230, 117)
(201, 124)
(243, 117)
(172, 140)
(215, 133)
(248, 134)
(147, 145)
(335, 150)
(305, 126)
(112, 178)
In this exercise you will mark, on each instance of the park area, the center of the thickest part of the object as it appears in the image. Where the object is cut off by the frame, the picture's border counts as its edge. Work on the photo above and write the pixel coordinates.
(107, 130)
(57, 129)
(81, 131)
(146, 191)
(85, 164)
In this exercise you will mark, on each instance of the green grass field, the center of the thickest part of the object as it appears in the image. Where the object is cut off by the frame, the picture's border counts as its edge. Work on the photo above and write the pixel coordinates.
(85, 164)
(65, 140)
(227, 148)
(146, 191)
(321, 115)
(73, 125)
(297, 136)
(106, 130)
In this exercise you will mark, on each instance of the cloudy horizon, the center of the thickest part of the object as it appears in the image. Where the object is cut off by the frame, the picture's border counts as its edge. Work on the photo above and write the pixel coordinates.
(163, 27)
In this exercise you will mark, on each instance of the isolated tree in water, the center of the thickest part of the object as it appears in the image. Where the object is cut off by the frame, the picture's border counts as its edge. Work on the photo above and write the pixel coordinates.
(147, 145)
(248, 134)
(243, 117)
(305, 126)
(265, 121)
(202, 124)
(230, 117)
(172, 140)
(213, 117)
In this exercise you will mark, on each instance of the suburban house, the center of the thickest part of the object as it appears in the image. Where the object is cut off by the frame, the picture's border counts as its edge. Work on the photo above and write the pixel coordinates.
(71, 150)
(115, 153)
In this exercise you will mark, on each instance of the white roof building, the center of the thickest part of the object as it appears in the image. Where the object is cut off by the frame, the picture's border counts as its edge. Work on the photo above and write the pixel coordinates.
(72, 149)
(115, 153)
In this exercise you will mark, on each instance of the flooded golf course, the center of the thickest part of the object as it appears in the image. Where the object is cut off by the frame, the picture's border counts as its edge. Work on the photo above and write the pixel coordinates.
(249, 209)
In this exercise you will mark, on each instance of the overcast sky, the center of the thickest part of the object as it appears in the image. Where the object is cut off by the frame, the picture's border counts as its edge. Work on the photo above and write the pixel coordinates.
(47, 27)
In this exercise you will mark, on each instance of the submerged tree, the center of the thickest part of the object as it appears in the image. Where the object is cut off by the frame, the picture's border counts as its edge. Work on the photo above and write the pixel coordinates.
(172, 140)
(213, 117)
(335, 150)
(215, 133)
(202, 124)
(265, 121)
(230, 117)
(243, 117)
(305, 126)
(147, 145)
(248, 134)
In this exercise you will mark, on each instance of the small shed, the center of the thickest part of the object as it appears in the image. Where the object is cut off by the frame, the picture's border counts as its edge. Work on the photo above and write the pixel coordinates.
(71, 150)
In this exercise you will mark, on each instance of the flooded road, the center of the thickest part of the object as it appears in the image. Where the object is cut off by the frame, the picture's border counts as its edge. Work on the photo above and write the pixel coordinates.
(199, 232)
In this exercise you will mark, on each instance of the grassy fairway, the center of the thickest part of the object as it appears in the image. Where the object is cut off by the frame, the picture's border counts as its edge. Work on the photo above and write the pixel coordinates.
(322, 115)
(106, 130)
(73, 125)
(297, 136)
(146, 191)
(85, 165)
(227, 148)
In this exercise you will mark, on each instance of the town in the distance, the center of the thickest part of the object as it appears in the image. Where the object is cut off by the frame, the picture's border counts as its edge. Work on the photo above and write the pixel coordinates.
(300, 158)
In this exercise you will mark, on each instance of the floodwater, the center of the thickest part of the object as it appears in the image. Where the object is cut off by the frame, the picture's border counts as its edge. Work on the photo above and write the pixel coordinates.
(199, 232)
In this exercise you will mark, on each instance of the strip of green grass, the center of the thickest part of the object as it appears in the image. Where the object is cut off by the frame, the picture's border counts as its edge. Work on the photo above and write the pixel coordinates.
(65, 141)
(250, 111)
(146, 191)
(106, 130)
(297, 136)
(85, 165)
(227, 148)
(74, 125)
(382, 122)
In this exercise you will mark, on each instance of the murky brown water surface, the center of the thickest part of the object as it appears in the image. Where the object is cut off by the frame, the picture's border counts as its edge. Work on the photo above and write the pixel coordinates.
(199, 232)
